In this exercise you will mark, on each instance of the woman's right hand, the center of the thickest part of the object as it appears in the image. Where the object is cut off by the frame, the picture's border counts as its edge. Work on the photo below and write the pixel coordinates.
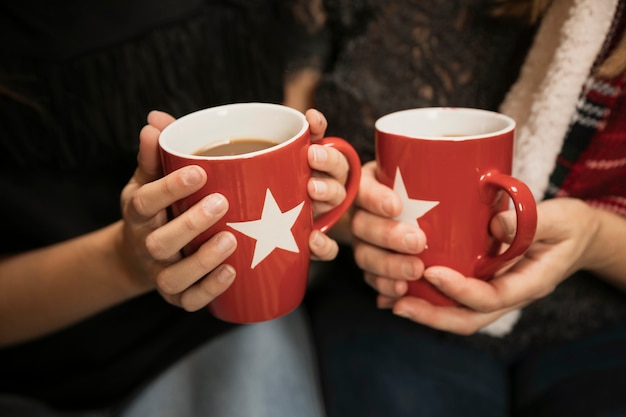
(151, 245)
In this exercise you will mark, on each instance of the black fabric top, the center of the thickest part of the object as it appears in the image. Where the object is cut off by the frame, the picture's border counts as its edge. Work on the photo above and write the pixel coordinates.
(401, 54)
(77, 80)
(40, 31)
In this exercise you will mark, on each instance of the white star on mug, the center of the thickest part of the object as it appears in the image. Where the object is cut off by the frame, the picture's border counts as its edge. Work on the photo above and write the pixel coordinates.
(411, 209)
(272, 230)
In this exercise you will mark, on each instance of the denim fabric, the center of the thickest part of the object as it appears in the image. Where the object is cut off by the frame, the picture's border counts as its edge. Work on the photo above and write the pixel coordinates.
(585, 377)
(374, 364)
(258, 370)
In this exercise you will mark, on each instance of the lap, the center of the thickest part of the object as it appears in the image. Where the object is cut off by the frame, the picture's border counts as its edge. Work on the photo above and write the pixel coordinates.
(258, 370)
(584, 377)
(373, 363)
(409, 376)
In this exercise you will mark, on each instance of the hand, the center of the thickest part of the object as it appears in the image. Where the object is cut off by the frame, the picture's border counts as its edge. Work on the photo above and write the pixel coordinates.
(566, 229)
(384, 248)
(151, 245)
(326, 187)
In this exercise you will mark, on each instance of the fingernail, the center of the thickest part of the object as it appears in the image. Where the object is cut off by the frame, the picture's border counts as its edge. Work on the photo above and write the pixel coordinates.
(433, 278)
(408, 270)
(402, 313)
(214, 204)
(319, 153)
(317, 240)
(387, 206)
(225, 242)
(411, 242)
(225, 273)
(192, 176)
(320, 186)
(318, 117)
(400, 288)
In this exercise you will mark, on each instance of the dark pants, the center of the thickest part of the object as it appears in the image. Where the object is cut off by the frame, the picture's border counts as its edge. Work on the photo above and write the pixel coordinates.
(375, 364)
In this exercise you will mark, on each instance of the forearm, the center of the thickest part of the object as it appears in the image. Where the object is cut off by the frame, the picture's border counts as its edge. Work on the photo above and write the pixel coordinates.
(47, 289)
(300, 89)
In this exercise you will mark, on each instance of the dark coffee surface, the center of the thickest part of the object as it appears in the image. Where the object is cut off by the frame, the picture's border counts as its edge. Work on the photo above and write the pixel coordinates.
(236, 147)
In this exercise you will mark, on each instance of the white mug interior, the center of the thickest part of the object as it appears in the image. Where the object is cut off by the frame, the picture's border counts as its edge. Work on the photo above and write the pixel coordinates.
(195, 131)
(445, 123)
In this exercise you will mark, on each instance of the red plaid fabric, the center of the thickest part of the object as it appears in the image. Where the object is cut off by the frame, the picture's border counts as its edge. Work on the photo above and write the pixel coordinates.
(592, 163)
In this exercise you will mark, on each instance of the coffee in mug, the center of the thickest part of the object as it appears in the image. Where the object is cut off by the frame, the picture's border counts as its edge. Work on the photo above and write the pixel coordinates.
(235, 147)
(270, 212)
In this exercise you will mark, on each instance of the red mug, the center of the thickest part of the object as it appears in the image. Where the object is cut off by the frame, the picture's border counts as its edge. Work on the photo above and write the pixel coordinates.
(452, 169)
(270, 212)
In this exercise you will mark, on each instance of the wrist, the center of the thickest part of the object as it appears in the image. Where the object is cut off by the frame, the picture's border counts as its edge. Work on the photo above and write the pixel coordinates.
(605, 253)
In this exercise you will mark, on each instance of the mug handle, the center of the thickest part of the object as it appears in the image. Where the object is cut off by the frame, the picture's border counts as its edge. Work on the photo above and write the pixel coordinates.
(328, 219)
(526, 212)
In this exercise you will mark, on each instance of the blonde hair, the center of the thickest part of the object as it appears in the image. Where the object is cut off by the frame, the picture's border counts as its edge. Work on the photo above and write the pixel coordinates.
(613, 66)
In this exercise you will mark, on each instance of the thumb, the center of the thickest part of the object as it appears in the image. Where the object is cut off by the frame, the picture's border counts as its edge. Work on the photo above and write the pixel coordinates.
(503, 226)
(148, 160)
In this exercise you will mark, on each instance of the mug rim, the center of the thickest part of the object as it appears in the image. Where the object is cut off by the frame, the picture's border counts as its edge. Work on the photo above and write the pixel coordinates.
(381, 124)
(169, 130)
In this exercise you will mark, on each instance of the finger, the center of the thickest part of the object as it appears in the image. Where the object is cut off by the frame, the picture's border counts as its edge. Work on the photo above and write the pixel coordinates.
(317, 124)
(208, 288)
(510, 290)
(170, 238)
(457, 320)
(323, 248)
(503, 226)
(389, 264)
(388, 233)
(390, 288)
(385, 302)
(153, 197)
(481, 297)
(181, 275)
(326, 160)
(327, 191)
(160, 120)
(376, 197)
(148, 159)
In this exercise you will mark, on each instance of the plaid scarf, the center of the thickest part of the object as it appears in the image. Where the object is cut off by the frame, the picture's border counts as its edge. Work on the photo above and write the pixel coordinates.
(592, 162)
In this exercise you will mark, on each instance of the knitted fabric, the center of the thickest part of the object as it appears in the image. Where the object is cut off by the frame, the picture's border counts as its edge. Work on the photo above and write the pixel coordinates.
(596, 173)
(592, 163)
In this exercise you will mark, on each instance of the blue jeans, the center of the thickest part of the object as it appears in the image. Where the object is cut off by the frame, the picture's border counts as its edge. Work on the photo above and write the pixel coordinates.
(394, 376)
(258, 370)
(374, 364)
